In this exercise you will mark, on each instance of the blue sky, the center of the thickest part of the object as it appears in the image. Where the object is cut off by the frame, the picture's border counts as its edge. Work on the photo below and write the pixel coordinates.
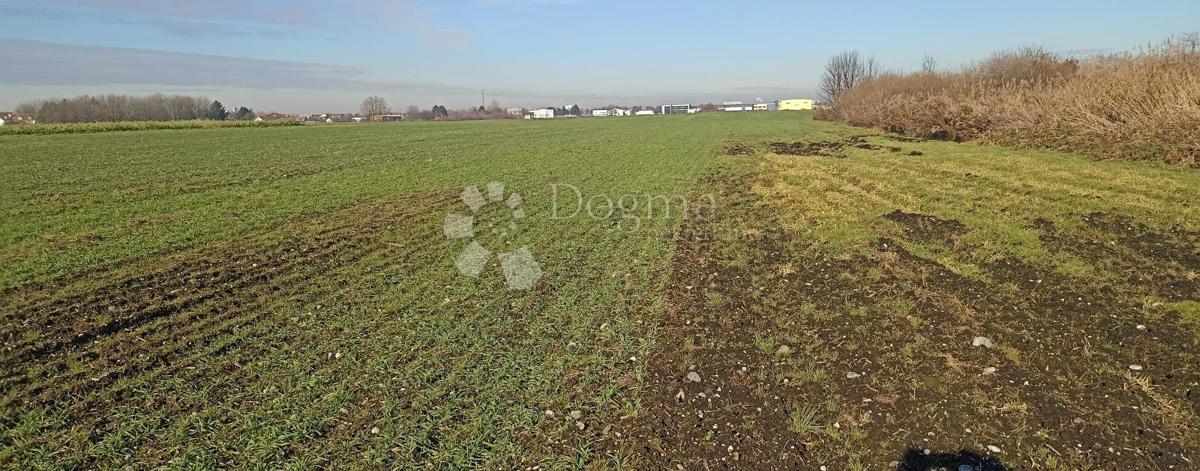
(326, 55)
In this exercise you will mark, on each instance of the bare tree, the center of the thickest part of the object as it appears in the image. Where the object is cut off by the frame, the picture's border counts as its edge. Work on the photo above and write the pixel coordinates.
(87, 108)
(928, 65)
(844, 71)
(374, 106)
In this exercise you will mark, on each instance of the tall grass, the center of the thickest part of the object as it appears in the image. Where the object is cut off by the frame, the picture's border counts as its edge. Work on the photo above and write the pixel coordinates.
(77, 128)
(1130, 106)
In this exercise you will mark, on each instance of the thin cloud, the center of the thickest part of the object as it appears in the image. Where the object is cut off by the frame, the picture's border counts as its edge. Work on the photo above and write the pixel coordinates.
(41, 63)
(271, 19)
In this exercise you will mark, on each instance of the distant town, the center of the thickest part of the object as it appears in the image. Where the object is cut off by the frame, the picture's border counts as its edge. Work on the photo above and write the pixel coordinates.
(111, 108)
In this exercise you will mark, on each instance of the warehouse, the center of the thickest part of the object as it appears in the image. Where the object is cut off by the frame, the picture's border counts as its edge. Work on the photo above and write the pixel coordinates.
(795, 104)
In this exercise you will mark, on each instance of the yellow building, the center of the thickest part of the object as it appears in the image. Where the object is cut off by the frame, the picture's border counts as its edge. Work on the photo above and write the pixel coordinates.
(796, 104)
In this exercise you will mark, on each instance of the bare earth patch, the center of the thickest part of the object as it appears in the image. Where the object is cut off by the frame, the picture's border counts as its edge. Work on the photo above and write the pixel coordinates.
(777, 355)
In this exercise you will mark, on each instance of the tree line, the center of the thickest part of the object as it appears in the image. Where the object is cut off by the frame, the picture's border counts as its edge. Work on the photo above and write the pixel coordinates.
(157, 107)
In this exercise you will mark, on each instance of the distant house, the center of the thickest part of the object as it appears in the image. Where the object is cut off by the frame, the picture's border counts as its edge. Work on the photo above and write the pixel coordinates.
(258, 119)
(680, 109)
(795, 104)
(391, 117)
(600, 113)
(619, 112)
(765, 107)
(544, 113)
(515, 111)
(357, 119)
(645, 113)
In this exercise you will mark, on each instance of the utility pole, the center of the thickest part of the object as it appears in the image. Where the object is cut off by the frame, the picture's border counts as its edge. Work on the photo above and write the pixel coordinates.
(482, 100)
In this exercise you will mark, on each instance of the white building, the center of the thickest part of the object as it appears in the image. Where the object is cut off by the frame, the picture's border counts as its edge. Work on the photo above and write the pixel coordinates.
(679, 109)
(515, 111)
(619, 112)
(645, 113)
(544, 113)
(736, 106)
(600, 113)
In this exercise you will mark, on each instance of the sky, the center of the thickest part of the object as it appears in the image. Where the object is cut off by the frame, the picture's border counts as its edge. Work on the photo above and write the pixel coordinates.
(311, 56)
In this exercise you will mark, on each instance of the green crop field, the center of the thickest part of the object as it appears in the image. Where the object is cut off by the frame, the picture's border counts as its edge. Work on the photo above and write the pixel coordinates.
(741, 290)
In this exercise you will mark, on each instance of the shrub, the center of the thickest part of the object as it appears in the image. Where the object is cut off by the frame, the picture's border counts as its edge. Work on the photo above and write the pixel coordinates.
(1133, 106)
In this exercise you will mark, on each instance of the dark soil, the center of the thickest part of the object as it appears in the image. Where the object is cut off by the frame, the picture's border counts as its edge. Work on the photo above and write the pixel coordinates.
(831, 148)
(739, 149)
(803, 148)
(900, 138)
(904, 385)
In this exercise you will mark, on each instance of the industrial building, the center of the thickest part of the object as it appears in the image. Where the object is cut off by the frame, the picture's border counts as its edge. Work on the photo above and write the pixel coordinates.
(736, 106)
(679, 109)
(795, 104)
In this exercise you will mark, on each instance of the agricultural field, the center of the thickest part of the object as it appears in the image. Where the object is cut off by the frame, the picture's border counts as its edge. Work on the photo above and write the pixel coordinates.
(730, 291)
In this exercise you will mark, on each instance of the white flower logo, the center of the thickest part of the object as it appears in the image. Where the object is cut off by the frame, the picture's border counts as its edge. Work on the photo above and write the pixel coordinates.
(521, 270)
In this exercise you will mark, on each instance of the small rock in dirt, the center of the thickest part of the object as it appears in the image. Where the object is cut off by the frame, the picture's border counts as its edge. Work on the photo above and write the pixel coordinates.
(993, 448)
(989, 370)
(374, 430)
(693, 376)
(852, 375)
(680, 397)
(575, 414)
(1135, 367)
(549, 413)
(1141, 327)
(580, 425)
(981, 342)
(783, 350)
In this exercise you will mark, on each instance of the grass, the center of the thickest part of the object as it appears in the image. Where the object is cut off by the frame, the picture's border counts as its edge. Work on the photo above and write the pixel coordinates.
(286, 298)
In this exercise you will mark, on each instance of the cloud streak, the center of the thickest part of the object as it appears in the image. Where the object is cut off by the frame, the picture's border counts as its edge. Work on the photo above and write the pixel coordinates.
(270, 19)
(37, 63)
(41, 63)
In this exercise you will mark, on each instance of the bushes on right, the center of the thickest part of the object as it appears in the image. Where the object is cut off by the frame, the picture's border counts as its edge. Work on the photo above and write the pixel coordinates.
(1130, 106)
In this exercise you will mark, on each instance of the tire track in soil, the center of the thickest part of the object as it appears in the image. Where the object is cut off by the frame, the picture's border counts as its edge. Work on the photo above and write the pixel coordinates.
(719, 421)
(224, 295)
(88, 395)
